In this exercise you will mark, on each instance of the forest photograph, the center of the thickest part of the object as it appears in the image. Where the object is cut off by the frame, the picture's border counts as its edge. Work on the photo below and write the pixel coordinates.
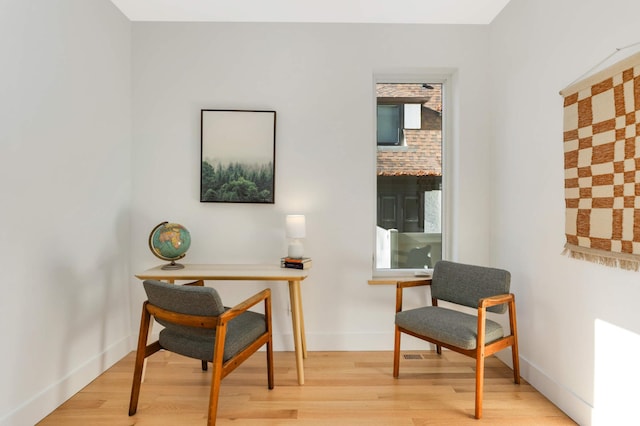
(238, 156)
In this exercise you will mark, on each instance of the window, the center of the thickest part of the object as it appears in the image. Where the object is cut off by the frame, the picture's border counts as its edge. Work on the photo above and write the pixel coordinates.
(394, 118)
(409, 175)
(389, 119)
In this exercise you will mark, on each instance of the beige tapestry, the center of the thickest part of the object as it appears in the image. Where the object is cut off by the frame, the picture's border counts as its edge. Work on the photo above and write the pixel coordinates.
(602, 166)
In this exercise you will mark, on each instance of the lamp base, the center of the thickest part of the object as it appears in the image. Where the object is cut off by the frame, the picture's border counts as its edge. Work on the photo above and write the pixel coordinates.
(296, 250)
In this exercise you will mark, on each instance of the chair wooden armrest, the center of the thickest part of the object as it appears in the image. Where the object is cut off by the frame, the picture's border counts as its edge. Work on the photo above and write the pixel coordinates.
(416, 283)
(207, 321)
(401, 285)
(245, 305)
(181, 319)
(496, 300)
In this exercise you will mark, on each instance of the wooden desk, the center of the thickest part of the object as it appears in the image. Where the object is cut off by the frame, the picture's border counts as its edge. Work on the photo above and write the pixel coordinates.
(248, 273)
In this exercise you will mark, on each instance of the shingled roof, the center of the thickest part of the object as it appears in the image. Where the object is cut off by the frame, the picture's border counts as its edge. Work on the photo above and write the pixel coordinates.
(422, 154)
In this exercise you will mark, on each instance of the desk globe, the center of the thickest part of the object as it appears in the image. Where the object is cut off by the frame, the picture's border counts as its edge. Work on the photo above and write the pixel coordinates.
(170, 242)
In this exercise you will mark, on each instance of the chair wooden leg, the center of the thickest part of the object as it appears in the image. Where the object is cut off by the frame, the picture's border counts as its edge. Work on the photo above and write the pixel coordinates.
(140, 356)
(480, 351)
(137, 381)
(434, 302)
(396, 354)
(270, 382)
(479, 384)
(516, 363)
(514, 348)
(205, 365)
(216, 374)
(267, 315)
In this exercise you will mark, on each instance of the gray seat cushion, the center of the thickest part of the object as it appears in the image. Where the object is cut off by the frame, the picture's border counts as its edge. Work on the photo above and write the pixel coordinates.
(448, 326)
(205, 301)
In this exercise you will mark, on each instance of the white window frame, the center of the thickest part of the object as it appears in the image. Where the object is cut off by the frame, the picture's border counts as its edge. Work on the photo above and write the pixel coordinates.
(444, 77)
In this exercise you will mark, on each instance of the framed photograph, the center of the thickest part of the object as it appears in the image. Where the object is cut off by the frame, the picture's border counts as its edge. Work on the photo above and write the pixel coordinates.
(238, 155)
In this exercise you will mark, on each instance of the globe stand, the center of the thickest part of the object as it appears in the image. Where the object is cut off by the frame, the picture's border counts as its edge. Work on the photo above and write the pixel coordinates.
(172, 266)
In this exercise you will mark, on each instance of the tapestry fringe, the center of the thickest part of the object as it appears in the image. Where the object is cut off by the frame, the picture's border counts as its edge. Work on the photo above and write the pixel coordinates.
(601, 258)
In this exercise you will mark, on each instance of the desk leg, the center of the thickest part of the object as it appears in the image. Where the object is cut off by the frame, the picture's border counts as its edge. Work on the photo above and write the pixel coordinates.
(296, 318)
(303, 335)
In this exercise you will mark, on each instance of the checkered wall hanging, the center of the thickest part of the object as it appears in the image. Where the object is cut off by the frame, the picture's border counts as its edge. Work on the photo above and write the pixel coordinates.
(602, 166)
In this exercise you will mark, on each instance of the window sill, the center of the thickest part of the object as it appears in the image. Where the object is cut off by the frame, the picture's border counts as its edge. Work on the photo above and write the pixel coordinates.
(393, 148)
(394, 276)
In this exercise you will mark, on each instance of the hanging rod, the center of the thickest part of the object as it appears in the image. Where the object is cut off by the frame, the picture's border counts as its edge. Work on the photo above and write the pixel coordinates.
(618, 49)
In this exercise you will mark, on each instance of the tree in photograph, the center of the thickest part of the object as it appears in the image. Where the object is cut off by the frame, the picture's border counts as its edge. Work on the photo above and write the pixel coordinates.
(237, 182)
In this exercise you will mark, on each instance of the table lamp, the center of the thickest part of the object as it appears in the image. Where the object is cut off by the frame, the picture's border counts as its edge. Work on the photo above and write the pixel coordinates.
(295, 228)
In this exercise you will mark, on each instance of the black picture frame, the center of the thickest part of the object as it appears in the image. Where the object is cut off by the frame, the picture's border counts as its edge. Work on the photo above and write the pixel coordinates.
(238, 156)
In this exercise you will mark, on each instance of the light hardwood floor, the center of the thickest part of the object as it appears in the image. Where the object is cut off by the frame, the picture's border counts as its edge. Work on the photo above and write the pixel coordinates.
(341, 388)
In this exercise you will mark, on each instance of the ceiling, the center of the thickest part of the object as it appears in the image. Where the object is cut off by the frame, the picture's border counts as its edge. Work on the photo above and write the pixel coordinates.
(338, 11)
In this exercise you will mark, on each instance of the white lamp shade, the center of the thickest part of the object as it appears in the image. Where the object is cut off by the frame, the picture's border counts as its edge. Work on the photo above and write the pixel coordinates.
(295, 226)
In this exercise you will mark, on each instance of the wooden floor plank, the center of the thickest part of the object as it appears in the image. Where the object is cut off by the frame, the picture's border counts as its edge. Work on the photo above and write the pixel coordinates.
(346, 388)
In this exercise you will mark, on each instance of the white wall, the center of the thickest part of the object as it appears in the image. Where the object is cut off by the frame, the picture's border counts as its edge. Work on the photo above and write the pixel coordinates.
(319, 80)
(568, 309)
(65, 143)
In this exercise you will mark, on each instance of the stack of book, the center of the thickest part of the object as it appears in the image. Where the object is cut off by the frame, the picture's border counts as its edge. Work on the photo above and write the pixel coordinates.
(295, 263)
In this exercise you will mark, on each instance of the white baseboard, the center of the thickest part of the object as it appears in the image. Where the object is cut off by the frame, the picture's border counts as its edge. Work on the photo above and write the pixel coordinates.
(572, 405)
(39, 406)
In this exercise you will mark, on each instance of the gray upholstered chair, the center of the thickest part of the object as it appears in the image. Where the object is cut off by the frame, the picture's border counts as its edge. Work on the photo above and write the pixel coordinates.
(197, 325)
(478, 287)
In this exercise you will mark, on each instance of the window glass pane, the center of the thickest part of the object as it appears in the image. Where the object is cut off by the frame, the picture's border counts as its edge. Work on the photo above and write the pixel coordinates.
(388, 210)
(409, 181)
(388, 124)
(411, 209)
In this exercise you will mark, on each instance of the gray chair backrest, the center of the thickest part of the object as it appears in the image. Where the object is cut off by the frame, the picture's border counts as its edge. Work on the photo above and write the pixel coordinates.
(467, 284)
(190, 300)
